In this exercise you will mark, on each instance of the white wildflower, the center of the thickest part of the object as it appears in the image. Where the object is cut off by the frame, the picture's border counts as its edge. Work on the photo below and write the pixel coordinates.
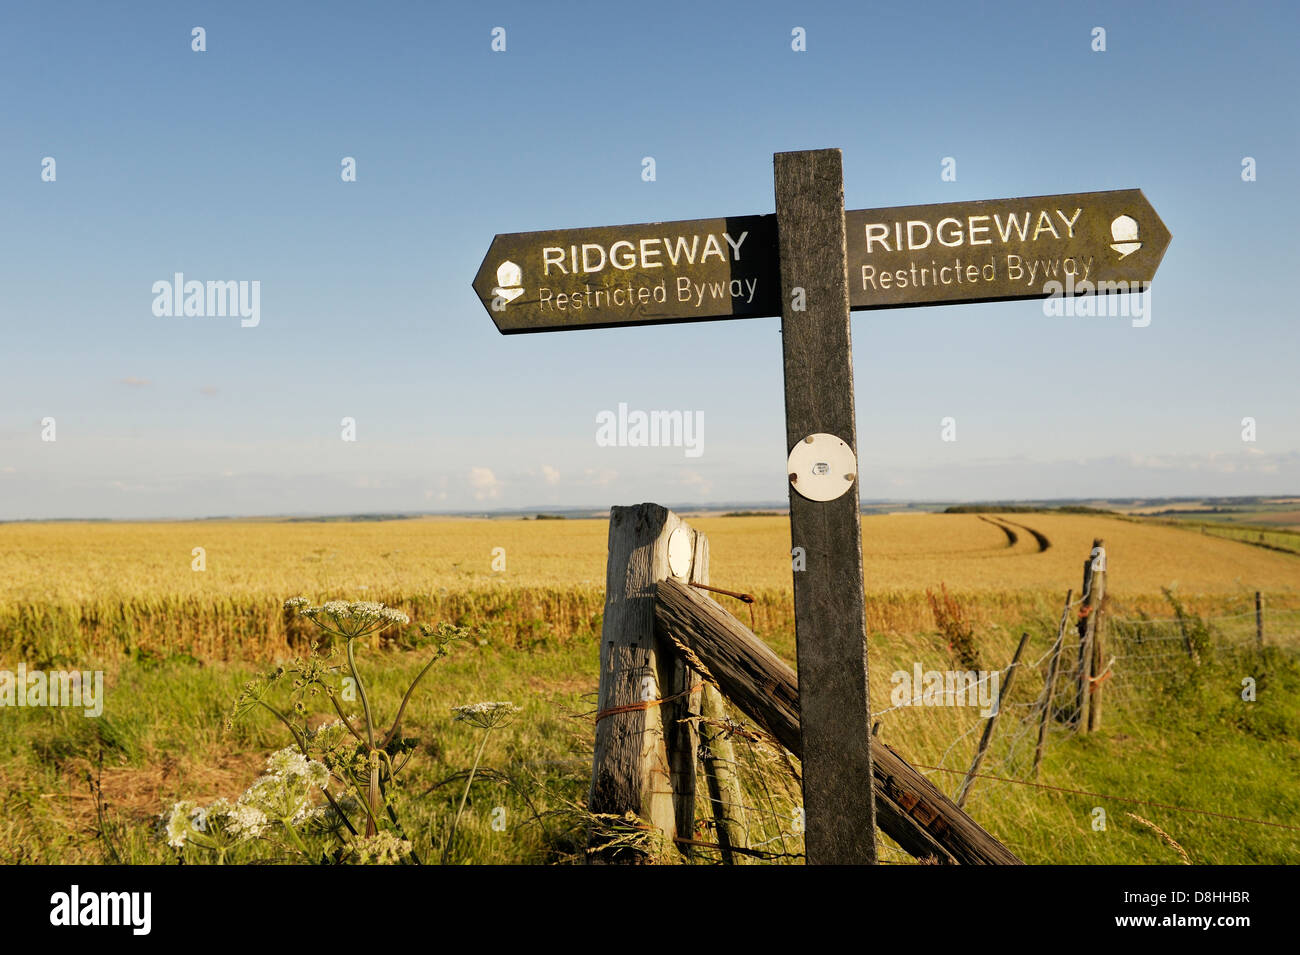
(383, 848)
(308, 814)
(287, 762)
(277, 797)
(349, 619)
(178, 823)
(247, 822)
(486, 715)
(318, 776)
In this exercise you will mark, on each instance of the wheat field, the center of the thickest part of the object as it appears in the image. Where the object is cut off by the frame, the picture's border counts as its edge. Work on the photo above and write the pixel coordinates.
(178, 642)
(132, 561)
(214, 589)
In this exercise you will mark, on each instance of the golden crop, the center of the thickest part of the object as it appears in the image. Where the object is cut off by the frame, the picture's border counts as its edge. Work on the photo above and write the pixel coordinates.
(81, 561)
(68, 587)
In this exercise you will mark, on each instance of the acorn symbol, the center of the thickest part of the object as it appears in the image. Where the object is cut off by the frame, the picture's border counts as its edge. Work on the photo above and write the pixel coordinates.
(1124, 230)
(510, 278)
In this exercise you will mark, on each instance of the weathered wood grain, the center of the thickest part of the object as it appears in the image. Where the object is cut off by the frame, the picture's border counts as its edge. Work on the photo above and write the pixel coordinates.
(644, 760)
(830, 622)
(722, 777)
(911, 809)
(1094, 595)
(1097, 638)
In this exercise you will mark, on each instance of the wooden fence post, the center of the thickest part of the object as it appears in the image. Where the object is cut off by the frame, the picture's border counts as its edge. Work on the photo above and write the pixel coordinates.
(1094, 591)
(718, 756)
(644, 761)
(698, 738)
(1259, 620)
(987, 738)
(1192, 653)
(1050, 684)
(1097, 637)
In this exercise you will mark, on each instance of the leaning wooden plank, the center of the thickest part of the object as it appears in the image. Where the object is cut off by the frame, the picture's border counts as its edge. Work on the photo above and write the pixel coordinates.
(909, 808)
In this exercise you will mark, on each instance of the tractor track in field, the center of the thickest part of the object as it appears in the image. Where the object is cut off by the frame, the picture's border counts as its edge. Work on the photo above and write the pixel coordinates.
(1044, 543)
(1008, 527)
(1012, 536)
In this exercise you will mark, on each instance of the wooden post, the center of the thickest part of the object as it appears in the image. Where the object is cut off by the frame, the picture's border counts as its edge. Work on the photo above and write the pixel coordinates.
(987, 737)
(913, 811)
(718, 756)
(644, 759)
(1097, 622)
(1049, 686)
(1181, 615)
(1259, 620)
(829, 604)
(714, 747)
(684, 690)
(1094, 590)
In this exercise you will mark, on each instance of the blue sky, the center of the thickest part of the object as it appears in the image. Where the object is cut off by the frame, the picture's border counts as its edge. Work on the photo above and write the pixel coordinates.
(225, 165)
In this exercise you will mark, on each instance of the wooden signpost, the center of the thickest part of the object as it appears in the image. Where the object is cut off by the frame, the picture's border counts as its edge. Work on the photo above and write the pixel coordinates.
(993, 250)
(1001, 250)
(812, 263)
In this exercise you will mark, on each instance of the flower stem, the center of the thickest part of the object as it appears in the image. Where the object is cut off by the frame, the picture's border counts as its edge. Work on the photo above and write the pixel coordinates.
(361, 689)
(297, 737)
(372, 795)
(397, 722)
(446, 851)
(297, 840)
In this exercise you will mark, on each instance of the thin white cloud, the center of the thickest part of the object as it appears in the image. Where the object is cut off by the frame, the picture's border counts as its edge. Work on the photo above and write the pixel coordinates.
(1217, 462)
(485, 485)
(696, 482)
(598, 477)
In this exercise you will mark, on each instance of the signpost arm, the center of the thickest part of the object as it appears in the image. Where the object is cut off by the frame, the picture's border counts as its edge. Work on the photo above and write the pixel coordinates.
(830, 618)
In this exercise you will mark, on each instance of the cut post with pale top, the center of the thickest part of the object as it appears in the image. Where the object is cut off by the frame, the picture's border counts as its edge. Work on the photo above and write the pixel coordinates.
(644, 761)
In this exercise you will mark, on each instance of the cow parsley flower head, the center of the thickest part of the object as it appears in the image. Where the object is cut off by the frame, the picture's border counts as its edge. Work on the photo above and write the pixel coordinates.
(285, 792)
(247, 821)
(216, 814)
(180, 823)
(287, 762)
(348, 619)
(485, 715)
(383, 848)
(317, 775)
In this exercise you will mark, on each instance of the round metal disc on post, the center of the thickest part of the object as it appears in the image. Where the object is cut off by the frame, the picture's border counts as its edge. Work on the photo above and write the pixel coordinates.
(680, 548)
(822, 467)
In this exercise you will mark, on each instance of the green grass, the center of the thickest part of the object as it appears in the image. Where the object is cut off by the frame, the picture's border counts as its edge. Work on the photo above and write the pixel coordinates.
(1272, 538)
(162, 739)
(1182, 737)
